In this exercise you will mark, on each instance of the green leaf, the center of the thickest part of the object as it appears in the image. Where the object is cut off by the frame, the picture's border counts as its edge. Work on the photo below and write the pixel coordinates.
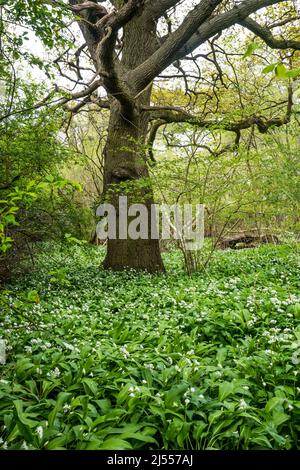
(139, 436)
(23, 416)
(273, 403)
(250, 49)
(49, 178)
(25, 431)
(261, 441)
(57, 443)
(279, 418)
(295, 310)
(94, 444)
(33, 296)
(10, 219)
(175, 393)
(225, 389)
(115, 443)
(280, 71)
(90, 386)
(123, 394)
(269, 68)
(293, 73)
(61, 399)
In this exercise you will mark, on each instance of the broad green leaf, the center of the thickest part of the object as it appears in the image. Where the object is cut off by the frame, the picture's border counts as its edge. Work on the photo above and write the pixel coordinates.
(280, 71)
(23, 417)
(61, 399)
(33, 296)
(90, 386)
(115, 443)
(293, 73)
(273, 402)
(279, 418)
(250, 49)
(57, 443)
(269, 68)
(175, 393)
(225, 389)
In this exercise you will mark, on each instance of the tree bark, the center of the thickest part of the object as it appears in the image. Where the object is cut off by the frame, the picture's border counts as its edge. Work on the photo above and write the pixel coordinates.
(125, 161)
(126, 174)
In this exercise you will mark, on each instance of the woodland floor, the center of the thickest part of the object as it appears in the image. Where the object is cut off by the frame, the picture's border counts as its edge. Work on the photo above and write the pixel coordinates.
(101, 360)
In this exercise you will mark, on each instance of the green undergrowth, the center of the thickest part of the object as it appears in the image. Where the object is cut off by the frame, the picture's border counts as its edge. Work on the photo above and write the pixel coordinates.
(102, 360)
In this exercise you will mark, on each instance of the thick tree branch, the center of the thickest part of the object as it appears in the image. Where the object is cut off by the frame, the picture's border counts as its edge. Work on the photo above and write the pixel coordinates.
(265, 34)
(198, 26)
(162, 58)
(169, 114)
(77, 8)
(101, 37)
(105, 53)
(159, 7)
(118, 19)
(87, 25)
(103, 104)
(221, 22)
(151, 138)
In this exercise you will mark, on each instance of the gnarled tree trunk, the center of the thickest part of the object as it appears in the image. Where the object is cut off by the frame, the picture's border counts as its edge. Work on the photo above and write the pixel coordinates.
(125, 161)
(125, 167)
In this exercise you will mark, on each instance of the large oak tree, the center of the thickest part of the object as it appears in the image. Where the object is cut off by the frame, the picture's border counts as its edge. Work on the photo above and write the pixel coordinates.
(129, 50)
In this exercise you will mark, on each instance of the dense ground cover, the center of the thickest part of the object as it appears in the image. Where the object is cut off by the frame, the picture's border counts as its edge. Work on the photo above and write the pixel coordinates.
(100, 360)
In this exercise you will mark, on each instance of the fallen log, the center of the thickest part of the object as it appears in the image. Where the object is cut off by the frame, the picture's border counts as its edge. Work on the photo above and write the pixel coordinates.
(247, 241)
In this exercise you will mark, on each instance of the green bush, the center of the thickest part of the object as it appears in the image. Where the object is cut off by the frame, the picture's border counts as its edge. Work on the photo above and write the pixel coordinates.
(36, 202)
